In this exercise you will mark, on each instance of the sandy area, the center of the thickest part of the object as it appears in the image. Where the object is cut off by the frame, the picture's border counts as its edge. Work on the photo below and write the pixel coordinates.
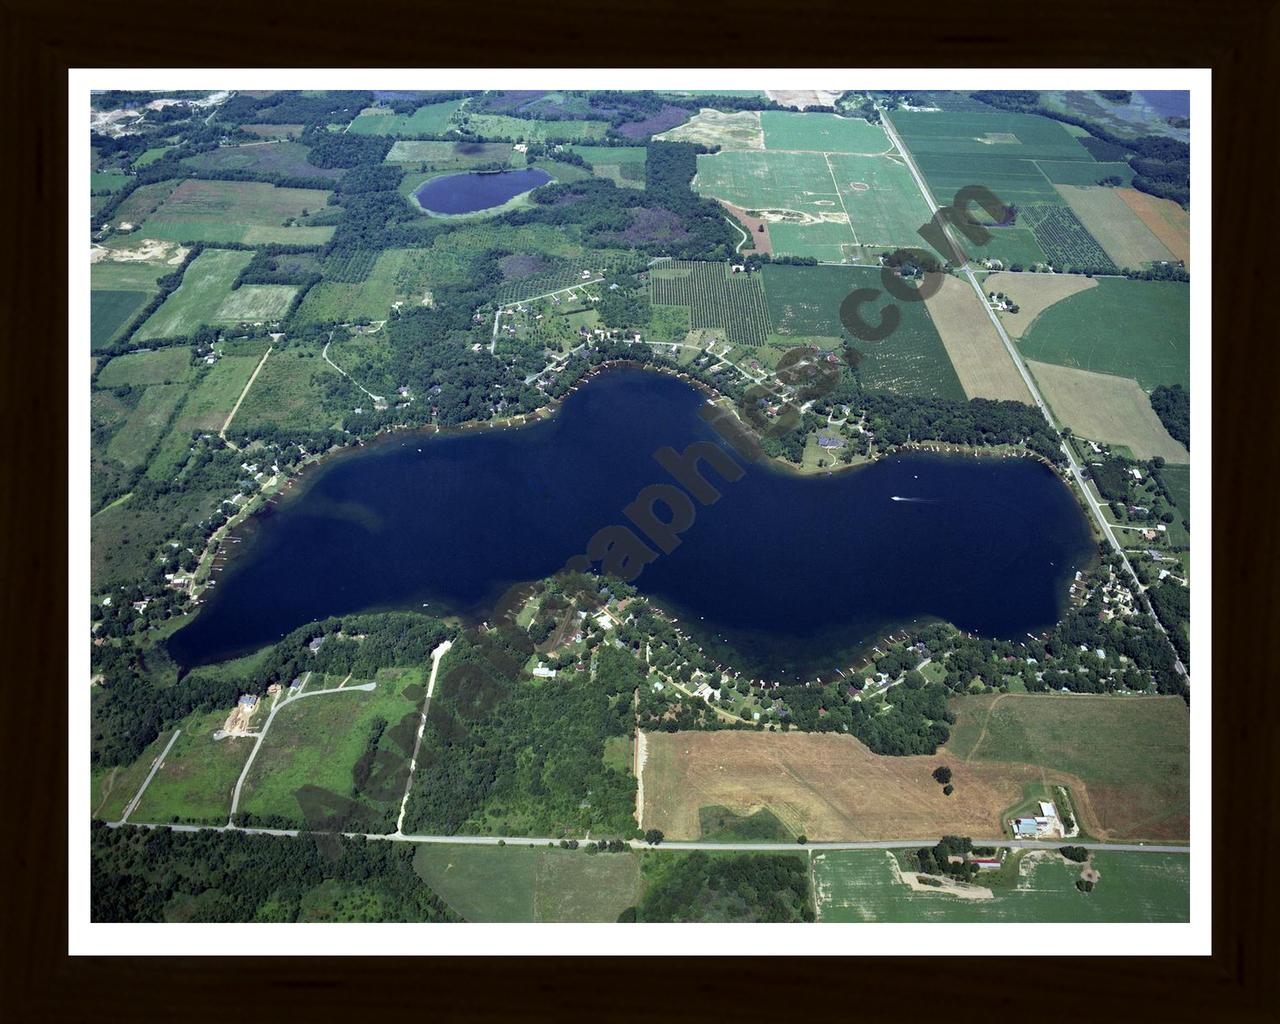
(148, 250)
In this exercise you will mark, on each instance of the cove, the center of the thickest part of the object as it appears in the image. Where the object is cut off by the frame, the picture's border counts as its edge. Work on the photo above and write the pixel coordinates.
(475, 191)
(784, 577)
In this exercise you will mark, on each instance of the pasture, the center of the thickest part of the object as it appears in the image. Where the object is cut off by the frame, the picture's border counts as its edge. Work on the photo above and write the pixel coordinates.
(519, 884)
(867, 886)
(1131, 754)
(716, 298)
(197, 301)
(514, 129)
(284, 158)
(1033, 294)
(1138, 329)
(251, 212)
(431, 119)
(985, 368)
(804, 305)
(709, 127)
(145, 424)
(195, 782)
(826, 786)
(1165, 219)
(1104, 407)
(139, 369)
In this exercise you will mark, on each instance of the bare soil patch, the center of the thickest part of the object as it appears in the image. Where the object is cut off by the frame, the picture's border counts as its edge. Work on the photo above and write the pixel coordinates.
(1168, 221)
(802, 98)
(1124, 236)
(713, 128)
(985, 369)
(148, 250)
(752, 225)
(1033, 293)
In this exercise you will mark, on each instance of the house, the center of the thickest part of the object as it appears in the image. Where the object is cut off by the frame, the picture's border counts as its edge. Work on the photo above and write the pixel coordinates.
(315, 644)
(1025, 828)
(830, 443)
(544, 671)
(986, 863)
(249, 701)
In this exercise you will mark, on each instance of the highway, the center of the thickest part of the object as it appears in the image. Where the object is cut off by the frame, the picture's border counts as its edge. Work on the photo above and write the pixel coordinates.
(1077, 471)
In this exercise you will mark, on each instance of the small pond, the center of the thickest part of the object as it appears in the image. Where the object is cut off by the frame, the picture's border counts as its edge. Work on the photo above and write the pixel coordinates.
(477, 190)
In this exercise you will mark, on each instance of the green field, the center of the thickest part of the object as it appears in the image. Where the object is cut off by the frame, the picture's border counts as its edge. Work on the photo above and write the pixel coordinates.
(197, 301)
(804, 303)
(163, 366)
(288, 159)
(864, 886)
(252, 212)
(256, 303)
(150, 156)
(111, 789)
(1083, 172)
(1132, 754)
(515, 129)
(195, 783)
(139, 203)
(461, 154)
(316, 741)
(397, 275)
(212, 398)
(517, 883)
(110, 311)
(106, 182)
(623, 165)
(145, 424)
(289, 392)
(821, 133)
(1138, 329)
(716, 298)
(432, 119)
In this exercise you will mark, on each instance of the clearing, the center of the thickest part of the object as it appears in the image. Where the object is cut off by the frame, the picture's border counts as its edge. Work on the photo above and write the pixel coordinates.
(206, 285)
(195, 782)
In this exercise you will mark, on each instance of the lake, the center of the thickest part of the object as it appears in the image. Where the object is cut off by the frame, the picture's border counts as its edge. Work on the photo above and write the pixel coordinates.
(474, 191)
(784, 576)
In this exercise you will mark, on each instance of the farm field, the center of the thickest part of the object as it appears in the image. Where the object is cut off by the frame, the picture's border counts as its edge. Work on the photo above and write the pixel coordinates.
(284, 158)
(163, 366)
(1131, 753)
(981, 362)
(289, 392)
(1168, 221)
(1083, 172)
(716, 298)
(145, 424)
(826, 786)
(106, 182)
(519, 884)
(867, 885)
(822, 133)
(623, 165)
(1033, 294)
(139, 203)
(197, 301)
(460, 154)
(431, 119)
(256, 303)
(1138, 329)
(316, 742)
(709, 127)
(1065, 240)
(804, 305)
(515, 129)
(1117, 228)
(111, 311)
(195, 782)
(252, 212)
(1104, 407)
(210, 401)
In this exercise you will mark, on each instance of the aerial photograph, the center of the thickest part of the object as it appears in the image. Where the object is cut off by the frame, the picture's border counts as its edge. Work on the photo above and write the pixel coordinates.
(636, 505)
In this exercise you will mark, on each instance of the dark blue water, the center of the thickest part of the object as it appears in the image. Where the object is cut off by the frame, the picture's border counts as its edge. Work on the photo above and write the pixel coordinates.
(785, 575)
(467, 193)
(1169, 102)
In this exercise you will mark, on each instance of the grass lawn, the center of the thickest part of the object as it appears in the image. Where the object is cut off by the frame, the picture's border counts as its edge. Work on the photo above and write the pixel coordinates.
(1138, 329)
(197, 301)
(195, 782)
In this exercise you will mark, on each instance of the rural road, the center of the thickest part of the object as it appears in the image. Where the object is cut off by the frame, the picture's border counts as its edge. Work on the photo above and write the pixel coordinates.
(325, 353)
(436, 655)
(1076, 470)
(236, 408)
(155, 767)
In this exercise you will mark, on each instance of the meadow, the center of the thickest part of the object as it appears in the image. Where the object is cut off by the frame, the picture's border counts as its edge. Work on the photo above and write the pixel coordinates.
(139, 369)
(212, 398)
(623, 165)
(1138, 329)
(804, 303)
(1132, 754)
(431, 119)
(289, 392)
(205, 286)
(866, 886)
(252, 212)
(110, 311)
(288, 159)
(716, 298)
(195, 782)
(515, 129)
(145, 424)
(518, 884)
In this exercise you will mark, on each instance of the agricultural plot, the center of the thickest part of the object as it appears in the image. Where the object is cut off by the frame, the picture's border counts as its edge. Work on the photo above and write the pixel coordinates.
(195, 782)
(1084, 173)
(1107, 408)
(283, 158)
(212, 399)
(826, 786)
(822, 133)
(107, 182)
(563, 273)
(256, 304)
(316, 742)
(712, 128)
(139, 369)
(197, 301)
(1063, 238)
(623, 165)
(804, 307)
(110, 312)
(515, 129)
(1164, 218)
(1138, 329)
(518, 884)
(431, 119)
(884, 206)
(1033, 294)
(290, 392)
(868, 886)
(1117, 228)
(717, 299)
(145, 424)
(142, 202)
(1131, 754)
(252, 212)
(460, 154)
(984, 367)
(1014, 247)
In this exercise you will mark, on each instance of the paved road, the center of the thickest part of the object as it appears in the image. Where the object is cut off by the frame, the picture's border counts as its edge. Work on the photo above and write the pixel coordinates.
(1076, 470)
(155, 767)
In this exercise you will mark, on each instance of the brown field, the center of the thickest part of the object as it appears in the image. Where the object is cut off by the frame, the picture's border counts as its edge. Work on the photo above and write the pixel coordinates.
(1104, 407)
(1167, 220)
(825, 786)
(1126, 239)
(1034, 293)
(752, 225)
(713, 128)
(984, 367)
